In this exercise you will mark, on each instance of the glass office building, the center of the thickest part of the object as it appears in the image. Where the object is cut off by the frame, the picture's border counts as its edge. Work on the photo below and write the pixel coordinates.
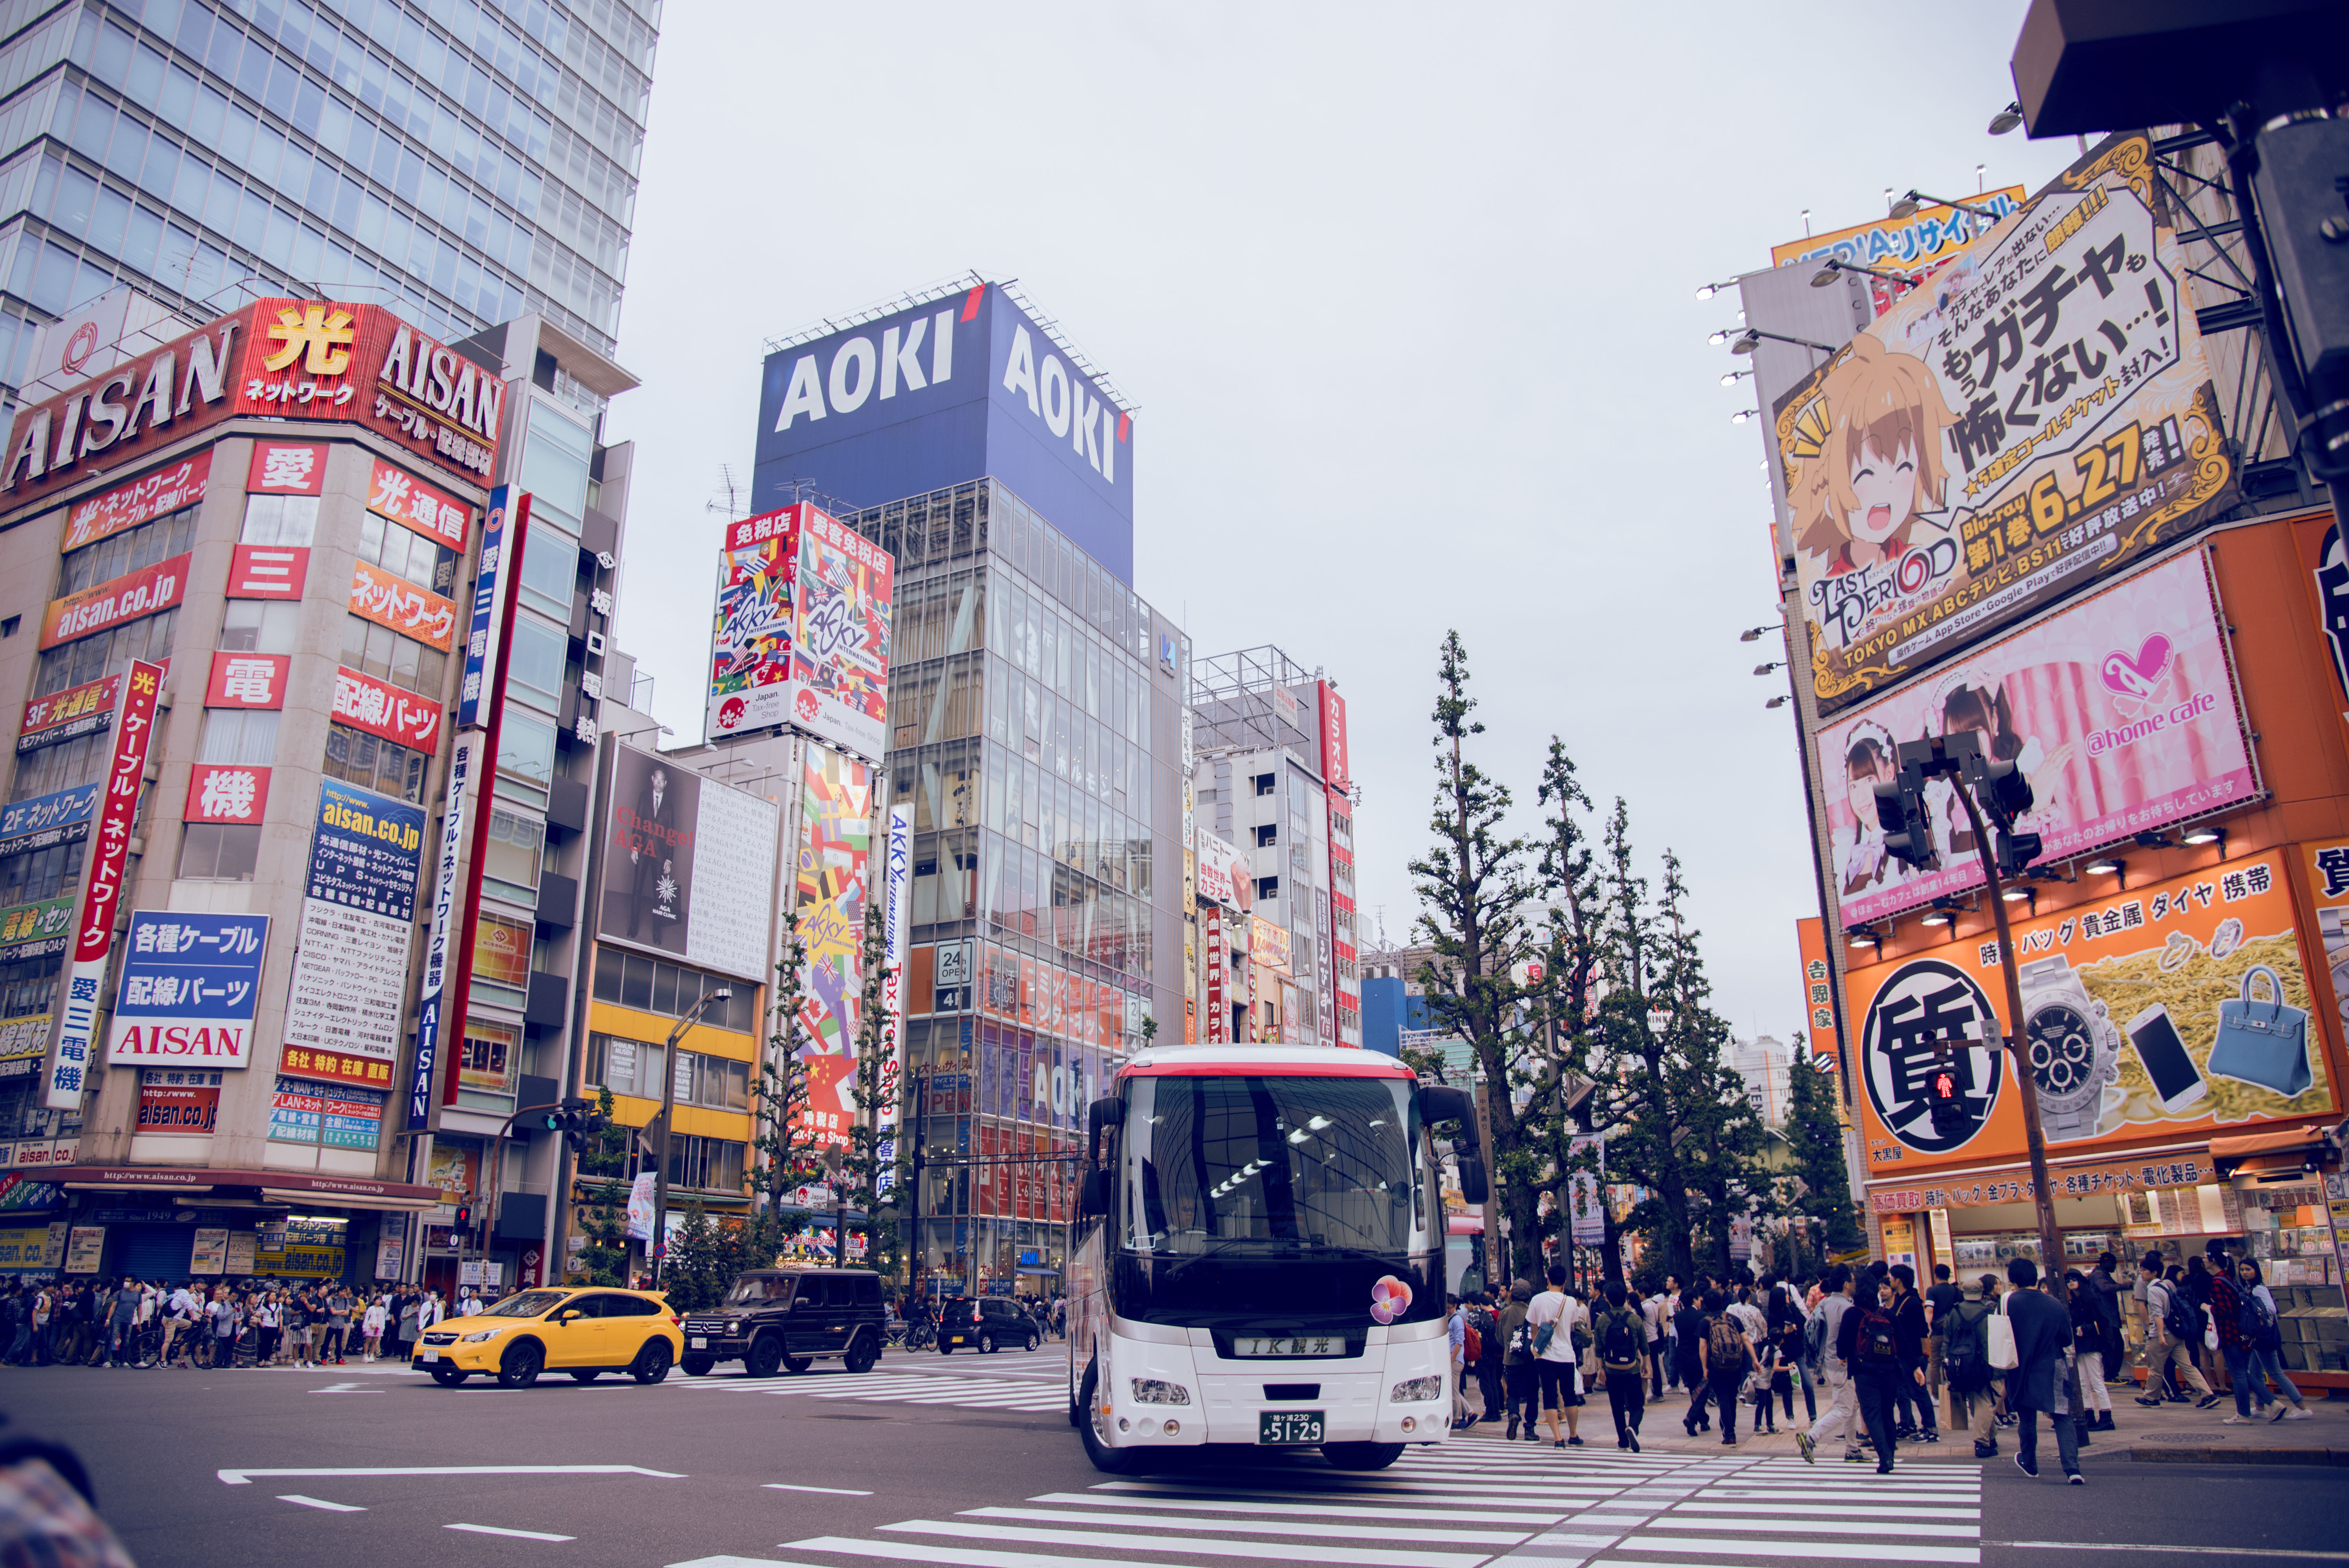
(461, 161)
(1035, 704)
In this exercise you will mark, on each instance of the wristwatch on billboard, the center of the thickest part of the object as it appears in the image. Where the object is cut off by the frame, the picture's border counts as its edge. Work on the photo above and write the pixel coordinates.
(2076, 1050)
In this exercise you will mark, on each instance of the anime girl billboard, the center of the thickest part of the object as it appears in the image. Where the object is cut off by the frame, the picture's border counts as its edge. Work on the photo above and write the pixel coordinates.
(2035, 415)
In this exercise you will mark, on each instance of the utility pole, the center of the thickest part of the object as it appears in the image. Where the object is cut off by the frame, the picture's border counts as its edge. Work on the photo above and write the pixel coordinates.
(1901, 809)
(658, 1245)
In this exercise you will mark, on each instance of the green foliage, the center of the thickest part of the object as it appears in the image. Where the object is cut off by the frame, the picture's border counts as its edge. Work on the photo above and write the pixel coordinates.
(1814, 1141)
(783, 1147)
(603, 1211)
(861, 1171)
(708, 1253)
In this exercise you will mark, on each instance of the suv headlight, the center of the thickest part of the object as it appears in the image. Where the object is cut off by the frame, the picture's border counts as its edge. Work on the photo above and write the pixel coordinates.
(1418, 1390)
(1154, 1392)
(485, 1333)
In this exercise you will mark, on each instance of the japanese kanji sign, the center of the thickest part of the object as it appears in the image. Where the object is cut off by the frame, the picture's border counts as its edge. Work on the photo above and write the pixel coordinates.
(143, 499)
(350, 968)
(37, 930)
(2038, 415)
(190, 982)
(394, 602)
(248, 680)
(2065, 1181)
(287, 468)
(101, 899)
(67, 715)
(60, 817)
(402, 717)
(227, 793)
(2125, 999)
(268, 570)
(412, 503)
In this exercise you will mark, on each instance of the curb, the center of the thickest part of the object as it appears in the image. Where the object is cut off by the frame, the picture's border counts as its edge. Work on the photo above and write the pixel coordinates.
(2183, 1454)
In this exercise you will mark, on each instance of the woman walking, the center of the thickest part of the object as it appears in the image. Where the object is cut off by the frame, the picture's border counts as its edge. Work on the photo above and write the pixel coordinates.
(2263, 1338)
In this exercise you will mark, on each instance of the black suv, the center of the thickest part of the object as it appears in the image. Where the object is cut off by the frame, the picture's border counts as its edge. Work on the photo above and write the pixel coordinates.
(989, 1322)
(786, 1319)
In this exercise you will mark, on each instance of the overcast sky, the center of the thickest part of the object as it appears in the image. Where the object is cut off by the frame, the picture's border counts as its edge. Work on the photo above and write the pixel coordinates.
(1407, 310)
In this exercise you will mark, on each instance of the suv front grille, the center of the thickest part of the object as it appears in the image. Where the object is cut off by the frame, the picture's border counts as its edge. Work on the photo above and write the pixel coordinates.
(440, 1340)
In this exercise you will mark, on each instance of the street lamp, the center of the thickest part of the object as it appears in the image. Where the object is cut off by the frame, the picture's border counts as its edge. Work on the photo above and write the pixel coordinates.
(1906, 206)
(1827, 275)
(1756, 634)
(1744, 414)
(659, 1243)
(1751, 339)
(2006, 119)
(1731, 378)
(1706, 291)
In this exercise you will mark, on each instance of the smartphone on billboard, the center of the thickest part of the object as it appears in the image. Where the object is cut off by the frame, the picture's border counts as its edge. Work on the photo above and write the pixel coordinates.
(2177, 1081)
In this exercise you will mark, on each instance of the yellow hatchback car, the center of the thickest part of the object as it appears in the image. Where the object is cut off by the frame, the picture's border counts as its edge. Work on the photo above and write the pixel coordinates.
(582, 1332)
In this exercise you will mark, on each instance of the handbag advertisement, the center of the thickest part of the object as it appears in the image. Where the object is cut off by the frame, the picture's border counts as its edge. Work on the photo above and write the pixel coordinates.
(2171, 1008)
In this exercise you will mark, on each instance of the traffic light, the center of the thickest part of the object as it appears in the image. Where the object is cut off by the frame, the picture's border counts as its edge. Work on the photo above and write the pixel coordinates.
(2000, 789)
(462, 1221)
(1900, 809)
(1947, 1100)
(585, 1125)
(2016, 850)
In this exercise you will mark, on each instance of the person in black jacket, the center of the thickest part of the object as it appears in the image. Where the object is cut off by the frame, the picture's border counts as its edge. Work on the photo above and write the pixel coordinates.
(1488, 1366)
(1870, 1344)
(1908, 1317)
(2044, 1380)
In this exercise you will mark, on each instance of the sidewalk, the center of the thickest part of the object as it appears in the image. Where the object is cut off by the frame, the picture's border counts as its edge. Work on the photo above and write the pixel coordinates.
(2175, 1434)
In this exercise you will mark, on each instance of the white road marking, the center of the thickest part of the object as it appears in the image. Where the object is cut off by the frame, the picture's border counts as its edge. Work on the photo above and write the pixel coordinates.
(1222, 1504)
(1355, 1554)
(2175, 1550)
(500, 1530)
(1132, 1521)
(345, 1388)
(1880, 1550)
(319, 1502)
(246, 1477)
(837, 1491)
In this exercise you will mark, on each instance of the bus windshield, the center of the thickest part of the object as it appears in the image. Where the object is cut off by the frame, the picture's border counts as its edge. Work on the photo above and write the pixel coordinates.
(1273, 1167)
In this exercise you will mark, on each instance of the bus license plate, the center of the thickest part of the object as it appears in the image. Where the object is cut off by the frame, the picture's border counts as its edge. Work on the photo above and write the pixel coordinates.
(1289, 1429)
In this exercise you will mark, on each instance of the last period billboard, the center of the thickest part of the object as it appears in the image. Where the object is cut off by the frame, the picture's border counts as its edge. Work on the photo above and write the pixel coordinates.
(2121, 711)
(2038, 414)
(943, 393)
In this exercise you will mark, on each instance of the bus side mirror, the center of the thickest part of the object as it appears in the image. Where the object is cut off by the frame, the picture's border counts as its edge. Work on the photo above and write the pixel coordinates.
(1094, 1199)
(1474, 1186)
(1440, 1102)
(1106, 1112)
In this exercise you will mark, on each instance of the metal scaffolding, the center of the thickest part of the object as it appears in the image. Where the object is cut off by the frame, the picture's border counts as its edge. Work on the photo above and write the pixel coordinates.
(1254, 700)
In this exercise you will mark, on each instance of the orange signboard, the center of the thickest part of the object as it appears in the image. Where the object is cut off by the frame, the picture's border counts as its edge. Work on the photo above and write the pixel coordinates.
(394, 602)
(2174, 1009)
(1819, 990)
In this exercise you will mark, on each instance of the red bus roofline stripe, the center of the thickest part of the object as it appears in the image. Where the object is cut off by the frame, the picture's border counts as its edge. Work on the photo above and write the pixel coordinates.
(1241, 1068)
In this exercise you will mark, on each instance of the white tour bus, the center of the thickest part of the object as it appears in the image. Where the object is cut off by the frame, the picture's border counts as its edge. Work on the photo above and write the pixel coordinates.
(1259, 1256)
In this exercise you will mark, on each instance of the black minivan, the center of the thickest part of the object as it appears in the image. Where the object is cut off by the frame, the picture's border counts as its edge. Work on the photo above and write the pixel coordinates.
(988, 1322)
(784, 1319)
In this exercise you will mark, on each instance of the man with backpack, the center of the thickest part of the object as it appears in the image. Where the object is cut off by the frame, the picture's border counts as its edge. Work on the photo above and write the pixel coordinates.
(1517, 1362)
(1488, 1324)
(1728, 1360)
(1554, 1317)
(2170, 1328)
(1622, 1339)
(1870, 1342)
(1966, 1370)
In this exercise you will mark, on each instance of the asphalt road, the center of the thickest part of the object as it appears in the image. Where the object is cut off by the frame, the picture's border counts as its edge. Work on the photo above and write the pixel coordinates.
(968, 1461)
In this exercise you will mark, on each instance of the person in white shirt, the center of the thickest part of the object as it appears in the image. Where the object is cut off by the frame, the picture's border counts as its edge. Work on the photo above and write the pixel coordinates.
(371, 1326)
(1653, 1311)
(432, 1311)
(1558, 1364)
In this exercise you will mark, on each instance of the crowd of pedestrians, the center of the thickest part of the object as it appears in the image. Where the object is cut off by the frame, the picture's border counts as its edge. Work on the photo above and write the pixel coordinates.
(1872, 1354)
(140, 1322)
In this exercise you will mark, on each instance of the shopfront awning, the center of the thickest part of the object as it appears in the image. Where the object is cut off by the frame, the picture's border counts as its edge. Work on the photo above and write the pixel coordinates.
(292, 1187)
(2274, 1155)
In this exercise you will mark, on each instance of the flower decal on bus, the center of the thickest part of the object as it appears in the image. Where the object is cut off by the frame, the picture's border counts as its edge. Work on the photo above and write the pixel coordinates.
(1390, 1299)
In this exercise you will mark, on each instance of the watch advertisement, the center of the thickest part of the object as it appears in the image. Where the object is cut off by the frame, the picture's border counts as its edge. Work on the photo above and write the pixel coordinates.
(2173, 1008)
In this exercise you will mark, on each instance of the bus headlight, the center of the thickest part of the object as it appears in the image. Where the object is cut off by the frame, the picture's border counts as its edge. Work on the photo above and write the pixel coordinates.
(1418, 1390)
(1154, 1392)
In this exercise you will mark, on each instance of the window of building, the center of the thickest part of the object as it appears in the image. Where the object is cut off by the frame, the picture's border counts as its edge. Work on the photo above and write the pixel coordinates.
(243, 737)
(219, 851)
(132, 550)
(408, 554)
(389, 656)
(61, 767)
(43, 873)
(512, 863)
(554, 465)
(1268, 834)
(628, 980)
(526, 748)
(502, 952)
(28, 988)
(634, 1067)
(284, 519)
(489, 1061)
(355, 757)
(79, 663)
(535, 675)
(1265, 782)
(711, 1164)
(261, 625)
(550, 572)
(1268, 887)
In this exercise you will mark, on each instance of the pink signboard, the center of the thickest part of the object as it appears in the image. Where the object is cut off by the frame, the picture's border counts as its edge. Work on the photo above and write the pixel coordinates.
(2121, 711)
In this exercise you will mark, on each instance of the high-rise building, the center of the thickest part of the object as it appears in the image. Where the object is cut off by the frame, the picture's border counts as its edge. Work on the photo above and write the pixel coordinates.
(1766, 1064)
(458, 162)
(1270, 781)
(1036, 722)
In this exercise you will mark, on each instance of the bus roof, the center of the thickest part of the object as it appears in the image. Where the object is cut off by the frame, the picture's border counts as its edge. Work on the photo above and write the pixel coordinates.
(1270, 1061)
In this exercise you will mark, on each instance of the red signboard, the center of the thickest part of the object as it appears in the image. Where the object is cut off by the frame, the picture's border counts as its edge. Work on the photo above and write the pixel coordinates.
(412, 503)
(144, 498)
(248, 680)
(1218, 1016)
(365, 703)
(335, 1067)
(227, 793)
(287, 468)
(1334, 769)
(294, 359)
(117, 810)
(68, 714)
(147, 591)
(177, 1108)
(401, 605)
(268, 572)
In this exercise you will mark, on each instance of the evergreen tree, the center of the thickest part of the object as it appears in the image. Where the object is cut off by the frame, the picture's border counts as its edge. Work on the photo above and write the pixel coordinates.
(866, 1160)
(602, 1188)
(782, 1145)
(1815, 1139)
(704, 1258)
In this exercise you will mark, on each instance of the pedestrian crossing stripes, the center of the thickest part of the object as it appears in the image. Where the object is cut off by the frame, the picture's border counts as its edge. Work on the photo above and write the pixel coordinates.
(1464, 1505)
(899, 1389)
